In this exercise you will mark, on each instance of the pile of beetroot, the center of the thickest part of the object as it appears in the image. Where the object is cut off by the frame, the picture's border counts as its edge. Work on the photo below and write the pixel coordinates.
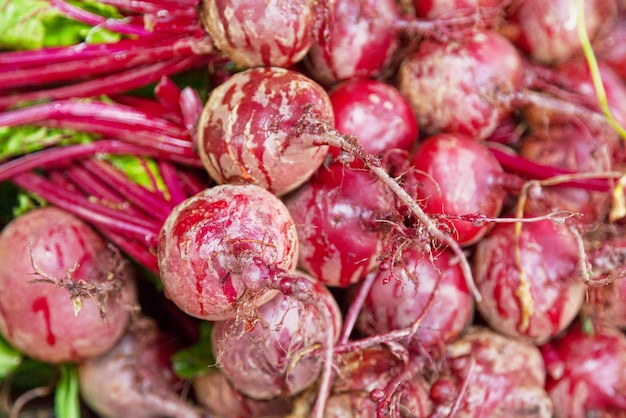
(377, 208)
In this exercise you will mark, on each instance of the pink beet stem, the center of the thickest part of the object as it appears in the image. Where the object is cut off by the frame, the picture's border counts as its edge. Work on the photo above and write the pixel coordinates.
(113, 84)
(81, 68)
(82, 15)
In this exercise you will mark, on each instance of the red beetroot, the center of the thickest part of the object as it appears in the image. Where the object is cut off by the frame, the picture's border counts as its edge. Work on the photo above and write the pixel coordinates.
(247, 129)
(425, 291)
(547, 31)
(215, 246)
(571, 146)
(336, 200)
(275, 355)
(492, 376)
(357, 39)
(531, 283)
(411, 400)
(587, 372)
(458, 176)
(260, 33)
(57, 280)
(216, 394)
(135, 378)
(363, 372)
(376, 113)
(461, 85)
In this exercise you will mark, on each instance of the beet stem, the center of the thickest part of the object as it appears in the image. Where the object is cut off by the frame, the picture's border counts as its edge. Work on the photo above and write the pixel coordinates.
(168, 94)
(533, 170)
(355, 308)
(90, 185)
(81, 68)
(191, 109)
(13, 60)
(82, 15)
(149, 202)
(152, 6)
(113, 84)
(143, 229)
(123, 122)
(172, 182)
(59, 156)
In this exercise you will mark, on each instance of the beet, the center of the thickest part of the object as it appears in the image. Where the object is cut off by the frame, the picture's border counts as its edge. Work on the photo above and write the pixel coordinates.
(612, 49)
(431, 9)
(425, 291)
(247, 129)
(458, 176)
(577, 78)
(532, 287)
(569, 146)
(275, 354)
(491, 375)
(572, 81)
(215, 246)
(357, 39)
(410, 401)
(606, 250)
(135, 378)
(463, 85)
(214, 392)
(547, 31)
(336, 200)
(67, 295)
(260, 33)
(376, 113)
(587, 372)
(361, 374)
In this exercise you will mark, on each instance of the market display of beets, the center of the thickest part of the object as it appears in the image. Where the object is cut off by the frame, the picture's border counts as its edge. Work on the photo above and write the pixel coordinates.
(313, 208)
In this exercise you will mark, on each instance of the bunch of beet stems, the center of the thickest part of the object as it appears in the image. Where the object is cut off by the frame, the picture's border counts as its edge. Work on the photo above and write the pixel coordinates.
(159, 38)
(77, 178)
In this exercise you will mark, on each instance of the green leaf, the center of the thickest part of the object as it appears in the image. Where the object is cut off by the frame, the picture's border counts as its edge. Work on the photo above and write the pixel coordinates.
(142, 171)
(95, 6)
(10, 358)
(25, 202)
(32, 24)
(19, 140)
(196, 359)
(66, 395)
